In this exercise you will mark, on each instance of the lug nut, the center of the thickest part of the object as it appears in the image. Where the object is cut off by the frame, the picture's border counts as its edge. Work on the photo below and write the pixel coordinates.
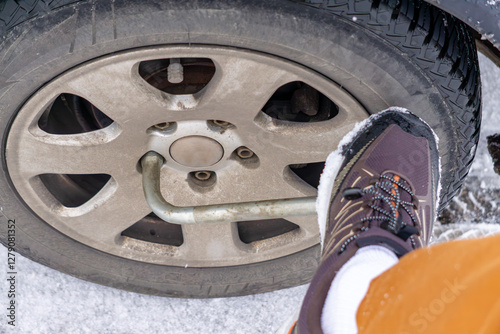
(244, 153)
(203, 175)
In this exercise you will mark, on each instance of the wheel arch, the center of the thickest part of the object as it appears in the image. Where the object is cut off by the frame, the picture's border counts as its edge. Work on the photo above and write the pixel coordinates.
(482, 17)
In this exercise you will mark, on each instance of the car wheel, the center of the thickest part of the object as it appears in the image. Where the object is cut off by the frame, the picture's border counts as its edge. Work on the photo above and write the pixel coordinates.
(243, 99)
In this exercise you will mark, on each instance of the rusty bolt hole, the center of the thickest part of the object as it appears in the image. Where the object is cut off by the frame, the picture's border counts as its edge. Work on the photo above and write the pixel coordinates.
(221, 123)
(244, 153)
(203, 175)
(163, 127)
(217, 123)
(220, 126)
(202, 180)
(245, 157)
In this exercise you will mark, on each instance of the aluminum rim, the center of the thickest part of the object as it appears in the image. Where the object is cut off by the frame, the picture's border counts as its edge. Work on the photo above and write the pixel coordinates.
(243, 82)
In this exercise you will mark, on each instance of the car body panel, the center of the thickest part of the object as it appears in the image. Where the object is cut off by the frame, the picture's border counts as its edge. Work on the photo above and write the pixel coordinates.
(481, 15)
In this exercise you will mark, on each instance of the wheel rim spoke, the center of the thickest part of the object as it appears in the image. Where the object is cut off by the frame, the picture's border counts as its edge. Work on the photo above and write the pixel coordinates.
(238, 90)
(120, 202)
(305, 142)
(213, 242)
(87, 153)
(117, 90)
(308, 225)
(268, 183)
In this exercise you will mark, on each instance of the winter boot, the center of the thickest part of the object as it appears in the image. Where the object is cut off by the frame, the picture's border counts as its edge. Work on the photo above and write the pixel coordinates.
(381, 187)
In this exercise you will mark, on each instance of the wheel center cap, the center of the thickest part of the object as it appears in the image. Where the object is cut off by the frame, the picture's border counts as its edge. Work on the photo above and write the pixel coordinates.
(196, 151)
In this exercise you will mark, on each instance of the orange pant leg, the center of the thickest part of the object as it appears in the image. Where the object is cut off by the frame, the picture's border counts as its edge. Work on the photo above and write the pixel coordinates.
(452, 287)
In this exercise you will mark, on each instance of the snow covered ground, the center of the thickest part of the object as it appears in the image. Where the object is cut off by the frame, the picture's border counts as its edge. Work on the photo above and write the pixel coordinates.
(51, 302)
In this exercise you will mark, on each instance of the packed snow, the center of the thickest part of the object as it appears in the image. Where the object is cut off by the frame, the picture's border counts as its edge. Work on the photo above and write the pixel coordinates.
(52, 302)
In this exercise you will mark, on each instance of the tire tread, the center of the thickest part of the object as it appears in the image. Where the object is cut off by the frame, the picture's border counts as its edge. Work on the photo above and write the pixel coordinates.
(16, 12)
(441, 45)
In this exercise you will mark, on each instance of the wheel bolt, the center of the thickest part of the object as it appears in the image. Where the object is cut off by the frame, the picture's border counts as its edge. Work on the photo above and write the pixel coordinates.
(203, 175)
(244, 153)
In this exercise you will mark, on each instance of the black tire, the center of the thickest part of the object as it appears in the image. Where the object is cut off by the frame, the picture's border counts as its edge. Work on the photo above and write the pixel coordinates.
(391, 55)
(444, 48)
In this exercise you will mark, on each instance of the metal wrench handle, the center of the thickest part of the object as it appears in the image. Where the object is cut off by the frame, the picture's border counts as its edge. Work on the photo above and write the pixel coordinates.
(151, 165)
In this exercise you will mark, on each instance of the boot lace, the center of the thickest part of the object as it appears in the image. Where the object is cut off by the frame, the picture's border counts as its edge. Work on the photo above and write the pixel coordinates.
(387, 204)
